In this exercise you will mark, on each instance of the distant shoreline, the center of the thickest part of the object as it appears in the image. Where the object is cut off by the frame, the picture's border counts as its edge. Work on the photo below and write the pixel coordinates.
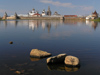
(44, 18)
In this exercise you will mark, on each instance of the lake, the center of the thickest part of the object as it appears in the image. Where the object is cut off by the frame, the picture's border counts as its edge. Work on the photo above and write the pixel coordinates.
(73, 37)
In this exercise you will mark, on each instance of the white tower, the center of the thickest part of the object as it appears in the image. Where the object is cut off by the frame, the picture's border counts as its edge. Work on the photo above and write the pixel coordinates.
(32, 12)
(43, 13)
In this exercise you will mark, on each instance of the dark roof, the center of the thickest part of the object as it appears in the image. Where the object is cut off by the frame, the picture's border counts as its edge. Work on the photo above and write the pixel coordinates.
(94, 12)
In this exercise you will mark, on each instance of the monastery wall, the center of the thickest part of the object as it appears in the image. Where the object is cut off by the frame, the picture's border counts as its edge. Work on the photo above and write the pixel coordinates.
(73, 18)
(41, 18)
(11, 17)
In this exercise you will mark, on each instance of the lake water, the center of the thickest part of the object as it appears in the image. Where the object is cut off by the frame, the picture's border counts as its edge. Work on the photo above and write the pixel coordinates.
(77, 38)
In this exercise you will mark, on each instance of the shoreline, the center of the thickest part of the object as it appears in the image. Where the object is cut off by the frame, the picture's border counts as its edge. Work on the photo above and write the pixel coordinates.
(43, 18)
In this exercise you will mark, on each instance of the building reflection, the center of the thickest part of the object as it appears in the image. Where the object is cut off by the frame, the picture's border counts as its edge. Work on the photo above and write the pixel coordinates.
(92, 24)
(74, 22)
(45, 24)
(70, 22)
(14, 23)
(48, 24)
(5, 23)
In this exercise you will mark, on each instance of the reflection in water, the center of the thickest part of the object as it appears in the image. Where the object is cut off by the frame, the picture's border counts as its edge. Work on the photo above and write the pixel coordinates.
(92, 24)
(48, 26)
(34, 24)
(62, 67)
(43, 24)
(74, 22)
(34, 59)
(5, 23)
(10, 23)
(70, 22)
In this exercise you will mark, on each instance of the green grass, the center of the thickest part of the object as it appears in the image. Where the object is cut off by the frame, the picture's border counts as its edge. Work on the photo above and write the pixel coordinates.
(98, 19)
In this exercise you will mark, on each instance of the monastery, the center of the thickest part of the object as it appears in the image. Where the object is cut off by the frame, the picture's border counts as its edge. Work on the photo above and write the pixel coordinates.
(94, 15)
(35, 15)
(45, 15)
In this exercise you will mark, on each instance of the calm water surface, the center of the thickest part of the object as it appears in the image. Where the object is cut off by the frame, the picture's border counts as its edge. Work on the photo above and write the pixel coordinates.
(77, 38)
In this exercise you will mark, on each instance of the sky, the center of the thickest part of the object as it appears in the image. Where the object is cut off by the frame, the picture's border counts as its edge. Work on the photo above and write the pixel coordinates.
(63, 7)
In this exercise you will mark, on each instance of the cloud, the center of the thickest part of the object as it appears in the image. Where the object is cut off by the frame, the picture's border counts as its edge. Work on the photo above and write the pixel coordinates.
(57, 3)
(68, 5)
(88, 8)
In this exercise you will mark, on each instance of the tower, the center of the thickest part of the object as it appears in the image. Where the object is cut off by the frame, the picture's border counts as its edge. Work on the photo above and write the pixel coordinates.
(43, 13)
(5, 16)
(16, 15)
(49, 11)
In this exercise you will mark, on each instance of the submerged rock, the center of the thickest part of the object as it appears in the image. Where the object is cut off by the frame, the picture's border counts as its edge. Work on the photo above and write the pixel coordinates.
(35, 59)
(39, 53)
(10, 42)
(18, 72)
(71, 61)
(56, 59)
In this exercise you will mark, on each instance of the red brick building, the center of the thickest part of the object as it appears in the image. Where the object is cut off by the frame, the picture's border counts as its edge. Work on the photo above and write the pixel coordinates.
(70, 16)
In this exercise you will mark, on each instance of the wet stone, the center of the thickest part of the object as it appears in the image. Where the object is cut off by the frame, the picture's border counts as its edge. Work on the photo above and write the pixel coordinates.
(72, 61)
(39, 53)
(18, 72)
(56, 59)
(10, 42)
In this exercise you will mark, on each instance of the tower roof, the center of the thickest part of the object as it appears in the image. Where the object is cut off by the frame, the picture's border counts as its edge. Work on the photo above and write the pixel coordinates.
(48, 8)
(33, 9)
(94, 12)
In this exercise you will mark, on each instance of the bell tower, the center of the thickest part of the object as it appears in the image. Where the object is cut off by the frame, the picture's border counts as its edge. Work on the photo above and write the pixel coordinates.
(49, 11)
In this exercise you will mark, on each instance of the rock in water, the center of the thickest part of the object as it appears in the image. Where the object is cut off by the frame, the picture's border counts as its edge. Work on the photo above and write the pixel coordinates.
(39, 53)
(18, 72)
(56, 59)
(10, 42)
(71, 61)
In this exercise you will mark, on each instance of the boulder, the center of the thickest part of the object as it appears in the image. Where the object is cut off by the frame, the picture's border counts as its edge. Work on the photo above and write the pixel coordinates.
(18, 72)
(10, 42)
(39, 53)
(71, 61)
(56, 59)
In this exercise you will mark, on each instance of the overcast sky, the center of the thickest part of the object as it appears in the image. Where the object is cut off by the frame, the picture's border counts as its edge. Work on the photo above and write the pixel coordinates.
(64, 7)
